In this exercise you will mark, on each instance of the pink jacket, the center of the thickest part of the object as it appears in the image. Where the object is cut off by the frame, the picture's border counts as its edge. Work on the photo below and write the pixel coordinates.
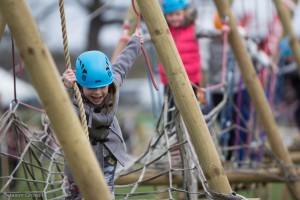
(188, 48)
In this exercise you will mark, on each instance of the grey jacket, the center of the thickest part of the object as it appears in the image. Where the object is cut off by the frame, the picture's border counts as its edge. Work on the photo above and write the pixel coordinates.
(102, 123)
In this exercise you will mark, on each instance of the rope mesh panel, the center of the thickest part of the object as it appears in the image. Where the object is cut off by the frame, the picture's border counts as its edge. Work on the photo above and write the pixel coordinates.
(31, 160)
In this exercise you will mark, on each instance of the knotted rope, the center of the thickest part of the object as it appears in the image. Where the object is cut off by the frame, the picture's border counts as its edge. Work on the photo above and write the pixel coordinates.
(68, 65)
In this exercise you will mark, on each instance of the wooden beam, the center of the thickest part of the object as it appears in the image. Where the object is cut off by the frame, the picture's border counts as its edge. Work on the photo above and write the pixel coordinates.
(46, 80)
(2, 26)
(272, 175)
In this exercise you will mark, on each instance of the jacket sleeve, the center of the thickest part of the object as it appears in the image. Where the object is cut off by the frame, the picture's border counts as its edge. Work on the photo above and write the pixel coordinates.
(126, 59)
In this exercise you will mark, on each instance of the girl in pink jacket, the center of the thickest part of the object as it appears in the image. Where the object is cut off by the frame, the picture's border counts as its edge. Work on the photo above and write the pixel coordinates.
(182, 27)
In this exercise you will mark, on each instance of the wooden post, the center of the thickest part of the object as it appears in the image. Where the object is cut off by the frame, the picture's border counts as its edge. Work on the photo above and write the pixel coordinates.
(3, 148)
(184, 96)
(46, 80)
(190, 177)
(128, 29)
(235, 176)
(258, 96)
(247, 176)
(285, 18)
(2, 26)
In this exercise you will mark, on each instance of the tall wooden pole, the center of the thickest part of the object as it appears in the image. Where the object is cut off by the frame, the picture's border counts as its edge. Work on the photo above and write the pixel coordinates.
(258, 96)
(285, 18)
(184, 96)
(2, 26)
(3, 148)
(46, 80)
(128, 29)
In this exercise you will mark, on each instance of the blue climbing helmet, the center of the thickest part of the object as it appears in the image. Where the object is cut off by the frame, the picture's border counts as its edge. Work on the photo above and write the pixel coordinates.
(93, 70)
(173, 5)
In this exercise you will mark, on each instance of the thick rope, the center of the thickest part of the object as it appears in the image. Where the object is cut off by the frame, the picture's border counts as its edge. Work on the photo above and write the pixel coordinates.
(68, 65)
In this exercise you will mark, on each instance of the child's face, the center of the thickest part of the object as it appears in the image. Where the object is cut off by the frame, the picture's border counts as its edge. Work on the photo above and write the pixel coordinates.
(176, 19)
(95, 95)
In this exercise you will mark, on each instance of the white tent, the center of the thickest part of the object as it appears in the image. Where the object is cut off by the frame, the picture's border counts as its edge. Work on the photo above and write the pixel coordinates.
(24, 91)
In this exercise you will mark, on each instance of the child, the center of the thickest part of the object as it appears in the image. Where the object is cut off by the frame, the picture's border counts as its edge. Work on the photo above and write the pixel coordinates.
(99, 83)
(181, 21)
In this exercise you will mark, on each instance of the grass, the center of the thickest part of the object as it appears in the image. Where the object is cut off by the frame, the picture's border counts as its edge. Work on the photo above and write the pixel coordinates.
(277, 190)
(272, 191)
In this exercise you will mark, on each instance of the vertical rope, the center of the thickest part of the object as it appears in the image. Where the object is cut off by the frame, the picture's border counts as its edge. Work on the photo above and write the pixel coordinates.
(68, 65)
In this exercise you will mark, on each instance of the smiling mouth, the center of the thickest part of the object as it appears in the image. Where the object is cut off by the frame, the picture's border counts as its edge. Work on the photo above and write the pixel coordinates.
(96, 98)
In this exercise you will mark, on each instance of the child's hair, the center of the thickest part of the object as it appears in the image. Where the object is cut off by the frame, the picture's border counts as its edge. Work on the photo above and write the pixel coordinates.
(190, 15)
(112, 89)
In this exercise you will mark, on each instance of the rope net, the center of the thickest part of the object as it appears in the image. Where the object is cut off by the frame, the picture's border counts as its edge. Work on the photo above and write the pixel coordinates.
(31, 160)
(169, 163)
(163, 162)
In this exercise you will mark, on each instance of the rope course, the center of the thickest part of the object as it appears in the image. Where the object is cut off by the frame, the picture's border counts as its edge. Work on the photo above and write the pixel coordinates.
(32, 161)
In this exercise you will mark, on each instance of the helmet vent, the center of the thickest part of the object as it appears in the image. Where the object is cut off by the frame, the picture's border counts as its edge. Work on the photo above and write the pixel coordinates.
(109, 74)
(84, 71)
(83, 77)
